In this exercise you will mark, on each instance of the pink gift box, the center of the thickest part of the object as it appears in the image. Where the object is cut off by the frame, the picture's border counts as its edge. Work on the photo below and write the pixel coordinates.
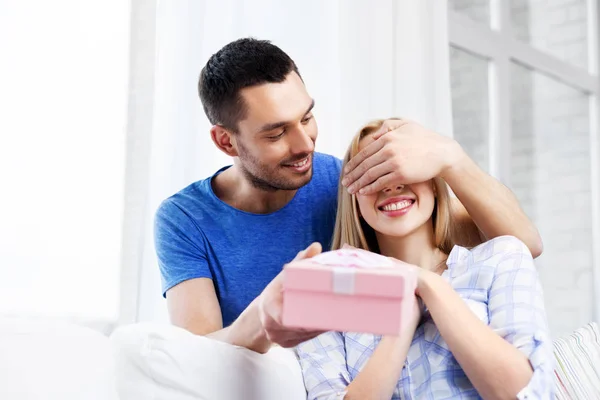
(348, 291)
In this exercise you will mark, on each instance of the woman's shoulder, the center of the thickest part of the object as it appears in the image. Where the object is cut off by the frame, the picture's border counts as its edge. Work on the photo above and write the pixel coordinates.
(491, 253)
(501, 245)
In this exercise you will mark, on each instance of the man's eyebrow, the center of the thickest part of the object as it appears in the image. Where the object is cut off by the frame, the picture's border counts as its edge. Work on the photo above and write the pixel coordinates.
(275, 125)
(312, 105)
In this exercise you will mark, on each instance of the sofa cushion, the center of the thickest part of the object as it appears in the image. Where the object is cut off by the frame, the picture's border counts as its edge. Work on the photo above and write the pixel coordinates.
(163, 362)
(53, 360)
(577, 371)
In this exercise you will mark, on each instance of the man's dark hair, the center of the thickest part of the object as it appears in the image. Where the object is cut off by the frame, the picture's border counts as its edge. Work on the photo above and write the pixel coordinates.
(238, 65)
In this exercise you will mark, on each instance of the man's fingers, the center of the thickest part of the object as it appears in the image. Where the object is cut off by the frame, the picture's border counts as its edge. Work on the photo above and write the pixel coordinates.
(285, 339)
(312, 250)
(379, 184)
(390, 125)
(370, 176)
(361, 156)
(300, 255)
(364, 167)
(312, 333)
(387, 126)
(282, 332)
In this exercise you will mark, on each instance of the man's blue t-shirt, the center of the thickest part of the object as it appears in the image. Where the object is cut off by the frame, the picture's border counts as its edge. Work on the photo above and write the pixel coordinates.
(199, 236)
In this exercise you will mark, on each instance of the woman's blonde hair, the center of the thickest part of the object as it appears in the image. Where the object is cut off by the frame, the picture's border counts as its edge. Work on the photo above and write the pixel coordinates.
(351, 228)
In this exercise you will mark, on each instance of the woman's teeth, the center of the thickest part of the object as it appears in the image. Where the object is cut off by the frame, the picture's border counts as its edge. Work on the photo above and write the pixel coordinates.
(397, 206)
(301, 163)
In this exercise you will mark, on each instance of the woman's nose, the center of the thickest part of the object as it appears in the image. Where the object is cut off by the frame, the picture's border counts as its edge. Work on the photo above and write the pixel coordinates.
(390, 188)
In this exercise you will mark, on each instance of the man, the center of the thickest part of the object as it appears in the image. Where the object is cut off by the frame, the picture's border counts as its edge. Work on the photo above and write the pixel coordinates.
(222, 242)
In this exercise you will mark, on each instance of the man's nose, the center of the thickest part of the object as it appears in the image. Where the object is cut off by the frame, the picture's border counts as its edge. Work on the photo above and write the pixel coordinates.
(302, 142)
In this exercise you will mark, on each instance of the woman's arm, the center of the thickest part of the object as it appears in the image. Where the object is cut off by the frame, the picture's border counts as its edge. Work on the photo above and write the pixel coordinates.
(323, 361)
(379, 377)
(495, 367)
(511, 356)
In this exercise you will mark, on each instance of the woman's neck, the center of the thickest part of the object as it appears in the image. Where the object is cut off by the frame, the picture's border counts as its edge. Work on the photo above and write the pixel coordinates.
(417, 248)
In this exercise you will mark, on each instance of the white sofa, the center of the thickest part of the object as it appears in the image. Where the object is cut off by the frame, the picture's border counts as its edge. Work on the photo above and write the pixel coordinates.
(162, 362)
(44, 359)
(49, 360)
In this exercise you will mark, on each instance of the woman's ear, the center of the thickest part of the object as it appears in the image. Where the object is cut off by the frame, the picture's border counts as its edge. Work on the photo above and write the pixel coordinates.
(224, 140)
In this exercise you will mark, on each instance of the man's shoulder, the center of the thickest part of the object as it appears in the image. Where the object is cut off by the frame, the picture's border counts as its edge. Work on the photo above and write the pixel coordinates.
(328, 161)
(187, 201)
(327, 168)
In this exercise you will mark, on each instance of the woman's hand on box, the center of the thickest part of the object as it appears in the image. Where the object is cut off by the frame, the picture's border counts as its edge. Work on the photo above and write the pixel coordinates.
(424, 278)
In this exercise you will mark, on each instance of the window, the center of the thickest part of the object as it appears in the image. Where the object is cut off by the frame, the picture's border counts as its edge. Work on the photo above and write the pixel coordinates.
(525, 93)
(470, 109)
(559, 28)
(476, 10)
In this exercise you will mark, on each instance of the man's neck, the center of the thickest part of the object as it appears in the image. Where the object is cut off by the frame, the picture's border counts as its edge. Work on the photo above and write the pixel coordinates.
(417, 248)
(232, 187)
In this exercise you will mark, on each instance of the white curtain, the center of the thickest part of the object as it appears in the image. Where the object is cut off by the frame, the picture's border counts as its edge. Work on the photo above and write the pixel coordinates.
(360, 60)
(63, 103)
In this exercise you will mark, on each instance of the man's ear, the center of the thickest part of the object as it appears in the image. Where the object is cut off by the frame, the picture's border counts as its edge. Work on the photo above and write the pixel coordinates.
(224, 140)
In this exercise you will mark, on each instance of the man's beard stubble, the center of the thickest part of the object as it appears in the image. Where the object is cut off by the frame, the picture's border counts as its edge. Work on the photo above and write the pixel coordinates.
(263, 178)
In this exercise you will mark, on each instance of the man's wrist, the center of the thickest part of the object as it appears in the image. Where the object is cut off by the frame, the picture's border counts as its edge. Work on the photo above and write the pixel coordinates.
(456, 160)
(247, 331)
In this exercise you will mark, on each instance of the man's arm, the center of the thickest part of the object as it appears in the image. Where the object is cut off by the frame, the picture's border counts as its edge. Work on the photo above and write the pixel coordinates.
(485, 205)
(191, 298)
(404, 151)
(193, 305)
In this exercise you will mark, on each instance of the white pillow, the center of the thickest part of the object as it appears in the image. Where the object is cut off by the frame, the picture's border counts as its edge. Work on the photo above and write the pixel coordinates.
(52, 360)
(163, 362)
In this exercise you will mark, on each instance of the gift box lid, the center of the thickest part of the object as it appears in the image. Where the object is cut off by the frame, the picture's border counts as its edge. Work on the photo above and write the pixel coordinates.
(351, 272)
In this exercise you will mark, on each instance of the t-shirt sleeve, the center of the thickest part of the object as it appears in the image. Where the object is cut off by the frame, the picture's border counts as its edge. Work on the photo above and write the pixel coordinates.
(180, 246)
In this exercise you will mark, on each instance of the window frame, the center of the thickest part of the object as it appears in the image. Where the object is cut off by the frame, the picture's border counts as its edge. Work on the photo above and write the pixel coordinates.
(496, 42)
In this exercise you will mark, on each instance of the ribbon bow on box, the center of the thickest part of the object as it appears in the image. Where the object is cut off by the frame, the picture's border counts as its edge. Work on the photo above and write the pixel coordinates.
(346, 260)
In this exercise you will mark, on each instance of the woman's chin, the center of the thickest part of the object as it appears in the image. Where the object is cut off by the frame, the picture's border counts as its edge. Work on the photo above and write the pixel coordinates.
(396, 232)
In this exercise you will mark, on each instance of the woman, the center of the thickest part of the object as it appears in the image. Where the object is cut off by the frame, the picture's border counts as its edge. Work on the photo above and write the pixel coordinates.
(483, 333)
